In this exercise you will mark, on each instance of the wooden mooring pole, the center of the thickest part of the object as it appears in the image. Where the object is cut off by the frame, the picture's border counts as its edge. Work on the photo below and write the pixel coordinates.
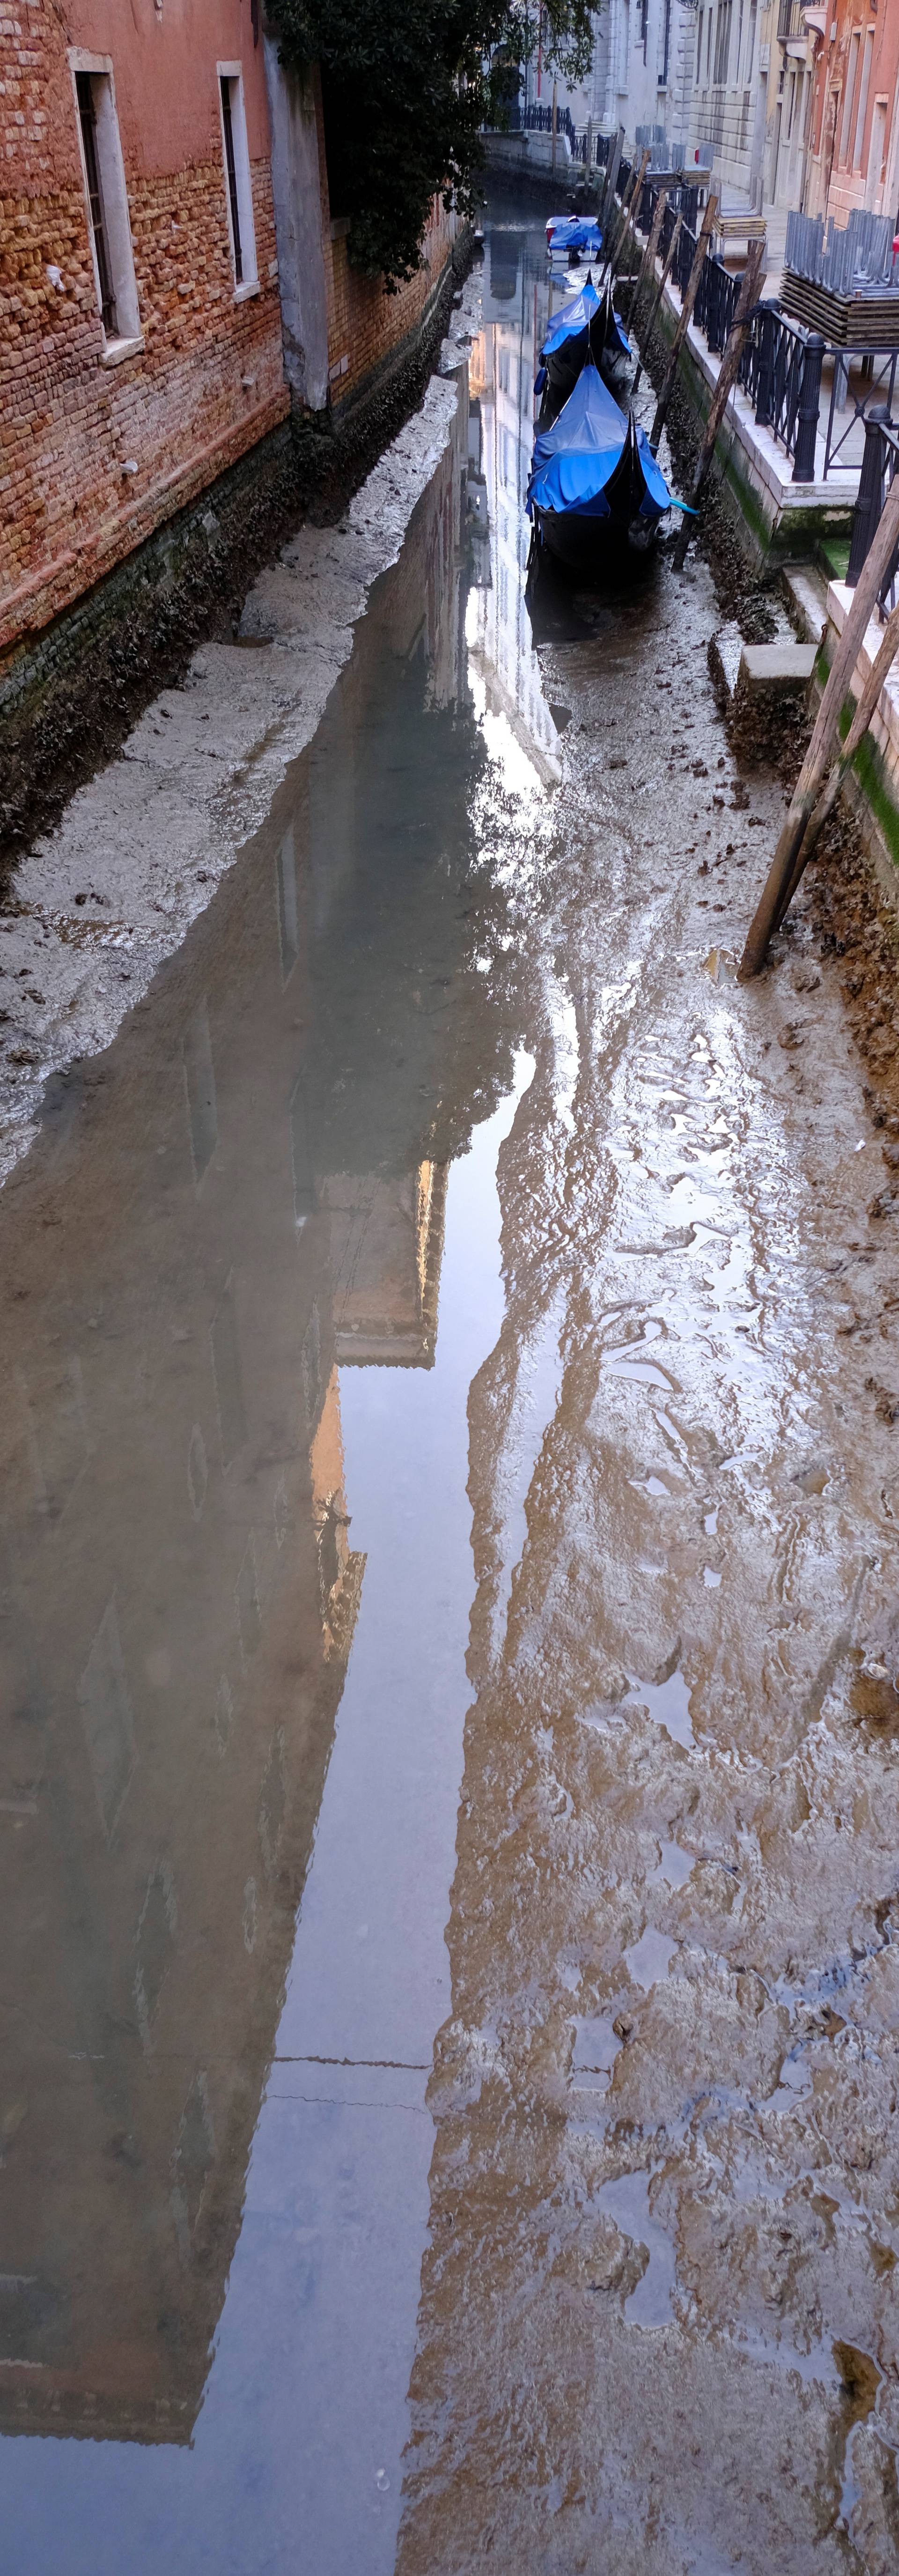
(733, 351)
(619, 236)
(650, 248)
(880, 667)
(690, 292)
(657, 298)
(784, 872)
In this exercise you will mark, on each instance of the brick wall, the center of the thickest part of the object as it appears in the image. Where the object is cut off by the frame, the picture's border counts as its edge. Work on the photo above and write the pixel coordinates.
(209, 381)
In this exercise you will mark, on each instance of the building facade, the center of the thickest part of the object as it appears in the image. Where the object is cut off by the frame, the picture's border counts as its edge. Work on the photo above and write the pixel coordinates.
(175, 292)
(853, 126)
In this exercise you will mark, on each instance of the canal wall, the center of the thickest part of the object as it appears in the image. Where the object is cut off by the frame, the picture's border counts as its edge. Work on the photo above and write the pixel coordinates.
(777, 525)
(103, 898)
(69, 691)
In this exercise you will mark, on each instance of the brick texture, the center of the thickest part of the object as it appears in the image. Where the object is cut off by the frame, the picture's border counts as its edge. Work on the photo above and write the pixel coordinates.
(207, 385)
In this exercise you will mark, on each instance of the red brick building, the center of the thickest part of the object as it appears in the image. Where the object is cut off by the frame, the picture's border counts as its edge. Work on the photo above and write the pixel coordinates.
(173, 294)
(141, 329)
(854, 121)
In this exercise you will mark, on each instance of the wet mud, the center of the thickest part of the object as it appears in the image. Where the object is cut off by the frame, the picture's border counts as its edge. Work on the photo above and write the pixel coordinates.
(450, 1494)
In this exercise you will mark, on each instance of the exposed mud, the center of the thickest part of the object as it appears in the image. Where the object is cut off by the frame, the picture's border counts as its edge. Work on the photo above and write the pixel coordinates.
(451, 1147)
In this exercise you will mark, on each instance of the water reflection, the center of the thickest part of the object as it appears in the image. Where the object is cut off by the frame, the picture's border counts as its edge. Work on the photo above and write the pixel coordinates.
(504, 662)
(233, 1442)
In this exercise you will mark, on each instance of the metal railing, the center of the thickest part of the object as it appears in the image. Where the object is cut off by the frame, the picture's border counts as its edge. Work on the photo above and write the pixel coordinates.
(849, 259)
(879, 464)
(877, 396)
(781, 365)
(538, 119)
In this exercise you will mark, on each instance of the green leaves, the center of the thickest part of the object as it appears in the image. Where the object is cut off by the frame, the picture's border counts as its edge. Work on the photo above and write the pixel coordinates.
(406, 87)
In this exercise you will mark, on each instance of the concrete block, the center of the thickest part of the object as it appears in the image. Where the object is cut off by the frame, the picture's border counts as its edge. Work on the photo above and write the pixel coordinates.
(776, 666)
(807, 602)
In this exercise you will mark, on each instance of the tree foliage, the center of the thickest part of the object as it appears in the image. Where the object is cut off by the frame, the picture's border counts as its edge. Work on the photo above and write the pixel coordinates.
(407, 86)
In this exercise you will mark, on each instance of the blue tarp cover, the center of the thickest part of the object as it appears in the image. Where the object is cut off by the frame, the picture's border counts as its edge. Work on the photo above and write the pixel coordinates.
(573, 232)
(574, 316)
(573, 461)
(571, 317)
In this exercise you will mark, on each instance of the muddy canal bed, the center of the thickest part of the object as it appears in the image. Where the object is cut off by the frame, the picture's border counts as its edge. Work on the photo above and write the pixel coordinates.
(449, 1498)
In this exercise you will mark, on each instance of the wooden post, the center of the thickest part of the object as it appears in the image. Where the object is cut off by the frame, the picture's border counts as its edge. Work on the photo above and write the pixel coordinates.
(654, 307)
(626, 214)
(650, 247)
(730, 361)
(615, 152)
(707, 226)
(880, 666)
(783, 874)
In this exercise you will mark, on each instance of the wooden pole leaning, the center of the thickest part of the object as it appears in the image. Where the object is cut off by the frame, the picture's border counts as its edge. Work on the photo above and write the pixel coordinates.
(632, 207)
(731, 356)
(783, 873)
(650, 247)
(619, 235)
(654, 307)
(880, 667)
(608, 194)
(690, 292)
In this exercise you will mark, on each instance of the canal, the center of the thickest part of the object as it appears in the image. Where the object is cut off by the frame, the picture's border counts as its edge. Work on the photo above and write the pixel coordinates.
(447, 1511)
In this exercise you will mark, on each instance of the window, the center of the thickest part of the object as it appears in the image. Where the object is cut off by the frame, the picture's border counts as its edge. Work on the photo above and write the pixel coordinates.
(708, 45)
(722, 45)
(848, 95)
(699, 50)
(106, 196)
(238, 189)
(666, 44)
(863, 100)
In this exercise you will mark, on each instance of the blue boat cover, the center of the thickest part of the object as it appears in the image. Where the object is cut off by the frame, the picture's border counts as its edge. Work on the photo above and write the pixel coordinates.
(571, 317)
(574, 459)
(575, 316)
(574, 232)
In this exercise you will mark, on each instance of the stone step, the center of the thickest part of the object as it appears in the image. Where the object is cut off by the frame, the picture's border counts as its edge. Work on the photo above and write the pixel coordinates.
(806, 594)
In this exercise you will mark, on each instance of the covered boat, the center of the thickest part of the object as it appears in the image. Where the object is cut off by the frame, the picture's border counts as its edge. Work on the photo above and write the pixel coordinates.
(594, 480)
(573, 237)
(587, 322)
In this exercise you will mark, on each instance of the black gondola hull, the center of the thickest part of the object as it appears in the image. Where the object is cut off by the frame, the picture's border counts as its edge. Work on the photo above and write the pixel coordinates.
(584, 543)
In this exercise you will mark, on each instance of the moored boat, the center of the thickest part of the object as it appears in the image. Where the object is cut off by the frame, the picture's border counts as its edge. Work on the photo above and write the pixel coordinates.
(594, 484)
(587, 324)
(572, 237)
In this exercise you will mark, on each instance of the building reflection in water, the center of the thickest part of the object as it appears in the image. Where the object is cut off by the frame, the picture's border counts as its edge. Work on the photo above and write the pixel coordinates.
(503, 367)
(242, 1199)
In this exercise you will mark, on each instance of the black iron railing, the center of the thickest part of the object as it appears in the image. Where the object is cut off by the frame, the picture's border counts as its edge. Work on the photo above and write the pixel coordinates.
(538, 119)
(853, 403)
(782, 365)
(879, 464)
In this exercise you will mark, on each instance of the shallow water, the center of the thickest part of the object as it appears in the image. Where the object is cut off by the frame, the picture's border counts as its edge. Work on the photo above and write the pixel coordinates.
(449, 2013)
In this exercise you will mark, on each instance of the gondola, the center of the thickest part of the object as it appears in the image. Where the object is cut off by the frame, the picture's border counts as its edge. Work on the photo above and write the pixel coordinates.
(588, 321)
(572, 237)
(594, 487)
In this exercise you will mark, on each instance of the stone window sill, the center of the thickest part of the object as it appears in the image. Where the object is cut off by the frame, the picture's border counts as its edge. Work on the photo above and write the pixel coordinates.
(116, 350)
(250, 287)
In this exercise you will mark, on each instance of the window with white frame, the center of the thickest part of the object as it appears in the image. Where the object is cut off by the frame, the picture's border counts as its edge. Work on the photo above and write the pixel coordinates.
(106, 195)
(238, 187)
